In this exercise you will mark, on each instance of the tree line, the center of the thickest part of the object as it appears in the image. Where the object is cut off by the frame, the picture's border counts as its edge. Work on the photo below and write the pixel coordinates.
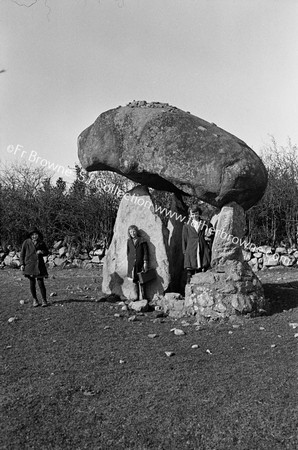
(88, 207)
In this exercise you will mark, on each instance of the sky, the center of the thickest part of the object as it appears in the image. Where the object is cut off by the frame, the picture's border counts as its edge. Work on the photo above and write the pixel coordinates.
(231, 62)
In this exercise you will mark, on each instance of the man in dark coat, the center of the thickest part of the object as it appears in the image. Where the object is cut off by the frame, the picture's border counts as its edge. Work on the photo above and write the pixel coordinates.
(137, 257)
(32, 263)
(195, 249)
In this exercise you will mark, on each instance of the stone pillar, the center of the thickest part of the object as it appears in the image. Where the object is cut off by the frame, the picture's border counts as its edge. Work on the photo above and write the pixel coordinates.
(229, 233)
(230, 287)
(136, 208)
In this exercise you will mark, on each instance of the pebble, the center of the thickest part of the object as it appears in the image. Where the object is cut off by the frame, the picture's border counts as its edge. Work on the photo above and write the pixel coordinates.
(178, 332)
(195, 346)
(184, 323)
(152, 336)
(117, 315)
(236, 326)
(208, 351)
(295, 335)
(107, 327)
(169, 354)
(22, 302)
(293, 325)
(12, 319)
(262, 328)
(53, 294)
(121, 361)
(132, 319)
(273, 345)
(124, 308)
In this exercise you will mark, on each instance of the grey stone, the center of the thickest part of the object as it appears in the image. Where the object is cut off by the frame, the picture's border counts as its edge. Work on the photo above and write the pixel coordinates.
(265, 249)
(136, 207)
(271, 260)
(139, 306)
(287, 260)
(169, 149)
(62, 251)
(281, 250)
(59, 261)
(229, 231)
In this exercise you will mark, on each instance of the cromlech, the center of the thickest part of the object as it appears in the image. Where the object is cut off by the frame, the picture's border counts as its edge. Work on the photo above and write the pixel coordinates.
(162, 147)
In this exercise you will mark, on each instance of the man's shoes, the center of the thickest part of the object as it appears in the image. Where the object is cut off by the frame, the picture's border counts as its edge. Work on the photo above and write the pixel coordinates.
(44, 303)
(35, 303)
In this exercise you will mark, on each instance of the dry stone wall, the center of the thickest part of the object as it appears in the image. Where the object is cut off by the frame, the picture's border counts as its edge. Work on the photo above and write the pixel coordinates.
(264, 257)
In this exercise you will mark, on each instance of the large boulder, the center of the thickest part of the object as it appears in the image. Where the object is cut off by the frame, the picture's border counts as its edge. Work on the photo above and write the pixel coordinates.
(229, 235)
(163, 147)
(136, 208)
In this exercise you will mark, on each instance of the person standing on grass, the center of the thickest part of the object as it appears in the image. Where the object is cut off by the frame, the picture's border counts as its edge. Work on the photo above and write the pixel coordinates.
(137, 258)
(32, 264)
(194, 246)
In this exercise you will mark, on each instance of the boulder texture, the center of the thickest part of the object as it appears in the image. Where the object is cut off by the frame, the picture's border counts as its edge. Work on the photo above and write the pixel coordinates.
(165, 148)
(224, 291)
(136, 208)
(228, 235)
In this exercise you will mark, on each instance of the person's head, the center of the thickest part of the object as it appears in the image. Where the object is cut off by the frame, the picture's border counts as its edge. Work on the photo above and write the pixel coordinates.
(194, 212)
(133, 231)
(35, 234)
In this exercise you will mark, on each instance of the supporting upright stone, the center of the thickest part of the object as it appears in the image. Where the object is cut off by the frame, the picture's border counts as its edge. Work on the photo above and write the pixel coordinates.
(228, 235)
(230, 287)
(136, 208)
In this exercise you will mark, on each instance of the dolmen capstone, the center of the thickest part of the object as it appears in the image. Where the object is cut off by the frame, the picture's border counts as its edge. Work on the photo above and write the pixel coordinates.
(165, 148)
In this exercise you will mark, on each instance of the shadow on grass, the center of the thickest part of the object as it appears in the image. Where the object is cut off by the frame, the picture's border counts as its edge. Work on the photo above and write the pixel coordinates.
(281, 297)
(73, 300)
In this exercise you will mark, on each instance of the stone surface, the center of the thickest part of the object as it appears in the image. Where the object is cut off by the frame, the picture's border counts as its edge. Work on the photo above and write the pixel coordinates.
(246, 255)
(174, 307)
(139, 306)
(281, 250)
(59, 261)
(228, 235)
(254, 264)
(62, 251)
(136, 208)
(271, 260)
(168, 149)
(217, 295)
(287, 260)
(265, 249)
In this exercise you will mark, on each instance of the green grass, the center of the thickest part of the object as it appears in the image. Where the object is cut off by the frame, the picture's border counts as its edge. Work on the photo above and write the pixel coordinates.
(63, 386)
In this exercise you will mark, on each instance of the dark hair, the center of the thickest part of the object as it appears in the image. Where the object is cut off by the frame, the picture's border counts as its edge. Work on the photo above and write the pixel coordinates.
(35, 230)
(194, 209)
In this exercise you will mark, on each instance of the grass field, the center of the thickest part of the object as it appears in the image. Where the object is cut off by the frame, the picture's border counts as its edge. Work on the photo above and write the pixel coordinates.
(75, 376)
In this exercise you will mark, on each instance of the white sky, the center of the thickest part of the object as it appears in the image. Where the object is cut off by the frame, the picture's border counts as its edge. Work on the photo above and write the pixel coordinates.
(231, 62)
